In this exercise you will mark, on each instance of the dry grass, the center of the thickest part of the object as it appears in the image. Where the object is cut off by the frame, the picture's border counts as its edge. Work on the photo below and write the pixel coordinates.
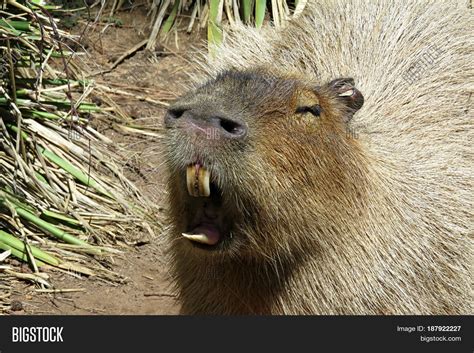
(213, 14)
(65, 204)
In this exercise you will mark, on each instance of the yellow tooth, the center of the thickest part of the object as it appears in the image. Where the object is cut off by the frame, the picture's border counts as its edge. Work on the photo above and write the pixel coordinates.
(198, 185)
(204, 186)
(199, 238)
(190, 180)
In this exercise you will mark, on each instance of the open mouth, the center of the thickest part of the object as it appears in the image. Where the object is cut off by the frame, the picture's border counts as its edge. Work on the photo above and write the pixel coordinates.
(208, 227)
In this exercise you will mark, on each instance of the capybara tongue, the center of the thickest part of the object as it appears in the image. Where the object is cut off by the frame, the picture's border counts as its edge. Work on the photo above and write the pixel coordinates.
(197, 180)
(205, 234)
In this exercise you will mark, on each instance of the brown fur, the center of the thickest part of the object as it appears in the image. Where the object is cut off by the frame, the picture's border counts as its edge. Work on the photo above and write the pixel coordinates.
(322, 221)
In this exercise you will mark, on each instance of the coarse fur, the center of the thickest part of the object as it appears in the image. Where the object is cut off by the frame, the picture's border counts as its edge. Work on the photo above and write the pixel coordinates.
(332, 215)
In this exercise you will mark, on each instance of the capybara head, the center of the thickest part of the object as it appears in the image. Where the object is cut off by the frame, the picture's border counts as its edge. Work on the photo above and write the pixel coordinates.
(254, 159)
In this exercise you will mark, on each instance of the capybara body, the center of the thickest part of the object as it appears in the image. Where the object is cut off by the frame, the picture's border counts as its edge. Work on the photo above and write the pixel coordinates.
(326, 167)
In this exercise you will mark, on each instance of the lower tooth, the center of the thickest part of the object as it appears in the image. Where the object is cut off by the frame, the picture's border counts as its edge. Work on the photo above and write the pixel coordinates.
(200, 238)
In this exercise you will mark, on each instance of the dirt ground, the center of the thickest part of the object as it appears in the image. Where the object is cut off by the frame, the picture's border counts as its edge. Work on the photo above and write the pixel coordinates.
(160, 77)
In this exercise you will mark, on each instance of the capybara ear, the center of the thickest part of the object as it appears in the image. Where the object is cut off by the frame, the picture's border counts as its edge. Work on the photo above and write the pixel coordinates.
(348, 94)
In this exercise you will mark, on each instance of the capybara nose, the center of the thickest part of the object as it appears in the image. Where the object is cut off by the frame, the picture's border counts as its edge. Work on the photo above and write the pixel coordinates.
(207, 123)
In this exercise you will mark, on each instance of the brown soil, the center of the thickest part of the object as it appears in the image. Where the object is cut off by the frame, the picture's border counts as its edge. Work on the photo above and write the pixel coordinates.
(160, 76)
(146, 291)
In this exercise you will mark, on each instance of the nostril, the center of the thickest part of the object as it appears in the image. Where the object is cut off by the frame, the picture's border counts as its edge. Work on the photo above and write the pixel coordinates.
(232, 127)
(175, 113)
(172, 115)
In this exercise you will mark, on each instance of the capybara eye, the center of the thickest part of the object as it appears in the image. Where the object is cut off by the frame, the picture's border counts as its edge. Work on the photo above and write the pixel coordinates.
(313, 109)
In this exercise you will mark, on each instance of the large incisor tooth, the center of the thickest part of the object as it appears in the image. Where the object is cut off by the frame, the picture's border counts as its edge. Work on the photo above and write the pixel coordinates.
(198, 184)
(204, 179)
(199, 238)
(190, 180)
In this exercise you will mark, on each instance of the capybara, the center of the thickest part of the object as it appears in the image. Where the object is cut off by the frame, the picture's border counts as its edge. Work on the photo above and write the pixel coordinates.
(326, 167)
